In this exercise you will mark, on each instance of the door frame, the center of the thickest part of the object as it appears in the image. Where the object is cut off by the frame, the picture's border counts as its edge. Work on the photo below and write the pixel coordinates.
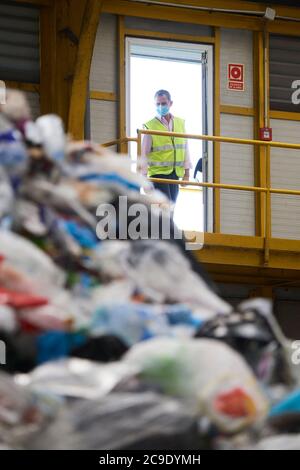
(201, 47)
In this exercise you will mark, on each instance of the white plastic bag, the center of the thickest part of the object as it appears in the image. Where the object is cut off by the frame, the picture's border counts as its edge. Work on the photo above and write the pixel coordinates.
(78, 378)
(206, 373)
(163, 274)
(27, 258)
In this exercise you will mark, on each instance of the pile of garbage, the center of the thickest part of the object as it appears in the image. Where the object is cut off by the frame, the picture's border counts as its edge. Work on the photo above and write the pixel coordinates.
(122, 336)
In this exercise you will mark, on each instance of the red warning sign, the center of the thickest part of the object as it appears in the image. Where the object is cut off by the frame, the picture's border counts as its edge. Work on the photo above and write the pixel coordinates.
(236, 81)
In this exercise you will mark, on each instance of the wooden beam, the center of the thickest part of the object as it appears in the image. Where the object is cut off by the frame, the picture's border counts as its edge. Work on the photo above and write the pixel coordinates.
(233, 241)
(82, 68)
(288, 28)
(250, 243)
(40, 3)
(230, 256)
(169, 36)
(252, 275)
(32, 87)
(281, 244)
(182, 15)
(217, 4)
(47, 59)
(236, 110)
(217, 130)
(285, 115)
(69, 16)
(103, 95)
(210, 17)
(123, 147)
(227, 5)
(244, 255)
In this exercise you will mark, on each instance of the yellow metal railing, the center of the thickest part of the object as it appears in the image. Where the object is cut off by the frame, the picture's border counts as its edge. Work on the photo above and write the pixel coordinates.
(256, 189)
(111, 143)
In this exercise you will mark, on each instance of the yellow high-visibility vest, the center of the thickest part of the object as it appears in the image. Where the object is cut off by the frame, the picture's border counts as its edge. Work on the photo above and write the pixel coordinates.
(167, 153)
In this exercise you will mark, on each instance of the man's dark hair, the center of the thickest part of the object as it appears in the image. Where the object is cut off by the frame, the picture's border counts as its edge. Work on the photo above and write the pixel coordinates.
(163, 93)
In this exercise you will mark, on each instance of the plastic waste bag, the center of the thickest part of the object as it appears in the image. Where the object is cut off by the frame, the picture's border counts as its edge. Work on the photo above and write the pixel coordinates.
(106, 258)
(130, 322)
(30, 260)
(13, 153)
(131, 421)
(6, 194)
(164, 275)
(29, 421)
(16, 108)
(206, 373)
(290, 404)
(253, 331)
(8, 320)
(52, 136)
(20, 414)
(77, 378)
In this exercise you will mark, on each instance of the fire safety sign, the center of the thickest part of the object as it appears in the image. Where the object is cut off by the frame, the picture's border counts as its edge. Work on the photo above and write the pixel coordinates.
(236, 77)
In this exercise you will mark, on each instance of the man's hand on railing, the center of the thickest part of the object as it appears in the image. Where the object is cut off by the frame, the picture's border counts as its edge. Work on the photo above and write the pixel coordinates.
(186, 177)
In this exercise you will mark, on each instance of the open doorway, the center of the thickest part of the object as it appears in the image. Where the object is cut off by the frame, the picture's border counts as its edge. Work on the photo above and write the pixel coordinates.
(184, 69)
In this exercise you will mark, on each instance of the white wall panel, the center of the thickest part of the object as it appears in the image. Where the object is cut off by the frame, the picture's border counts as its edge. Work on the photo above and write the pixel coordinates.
(103, 121)
(237, 48)
(103, 75)
(237, 167)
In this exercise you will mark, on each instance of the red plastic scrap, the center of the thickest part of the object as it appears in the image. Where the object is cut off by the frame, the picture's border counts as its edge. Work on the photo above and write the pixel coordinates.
(20, 299)
(235, 403)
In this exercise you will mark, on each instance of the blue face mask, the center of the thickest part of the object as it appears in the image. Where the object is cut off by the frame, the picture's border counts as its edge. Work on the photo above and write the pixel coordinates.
(163, 110)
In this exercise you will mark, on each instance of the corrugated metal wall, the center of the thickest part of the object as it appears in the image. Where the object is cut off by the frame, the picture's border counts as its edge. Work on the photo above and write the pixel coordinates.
(19, 43)
(287, 311)
(284, 70)
(285, 173)
(104, 74)
(237, 161)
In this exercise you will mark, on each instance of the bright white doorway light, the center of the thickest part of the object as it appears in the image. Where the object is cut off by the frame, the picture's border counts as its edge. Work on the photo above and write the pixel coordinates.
(176, 67)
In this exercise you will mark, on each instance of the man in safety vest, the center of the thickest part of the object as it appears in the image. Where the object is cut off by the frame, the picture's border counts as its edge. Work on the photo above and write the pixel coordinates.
(166, 157)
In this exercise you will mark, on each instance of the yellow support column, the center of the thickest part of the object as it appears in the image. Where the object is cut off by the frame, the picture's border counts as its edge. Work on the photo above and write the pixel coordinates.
(82, 69)
(259, 155)
(268, 232)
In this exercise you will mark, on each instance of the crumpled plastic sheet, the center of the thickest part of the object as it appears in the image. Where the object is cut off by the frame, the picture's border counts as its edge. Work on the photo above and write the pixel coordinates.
(26, 257)
(77, 378)
(143, 420)
(161, 271)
